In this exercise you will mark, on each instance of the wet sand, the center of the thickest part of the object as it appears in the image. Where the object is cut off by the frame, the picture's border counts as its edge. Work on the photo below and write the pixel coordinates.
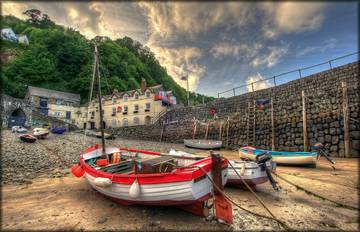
(69, 203)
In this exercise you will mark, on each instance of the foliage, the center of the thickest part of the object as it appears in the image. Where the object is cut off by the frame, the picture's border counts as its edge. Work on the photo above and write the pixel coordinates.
(61, 59)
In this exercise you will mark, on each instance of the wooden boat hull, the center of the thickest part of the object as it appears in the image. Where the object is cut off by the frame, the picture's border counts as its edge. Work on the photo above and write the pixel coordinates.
(27, 138)
(203, 144)
(282, 158)
(249, 171)
(179, 187)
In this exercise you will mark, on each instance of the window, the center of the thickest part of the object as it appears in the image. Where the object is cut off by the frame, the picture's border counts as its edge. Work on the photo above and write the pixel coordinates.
(147, 107)
(68, 114)
(58, 102)
(136, 108)
(97, 109)
(113, 122)
(114, 100)
(113, 111)
(125, 98)
(125, 122)
(43, 102)
(147, 94)
(136, 96)
(119, 108)
(125, 110)
(92, 114)
(136, 121)
(57, 114)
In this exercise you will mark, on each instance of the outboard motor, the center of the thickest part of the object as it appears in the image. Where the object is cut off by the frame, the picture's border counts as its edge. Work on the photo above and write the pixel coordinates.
(261, 160)
(323, 151)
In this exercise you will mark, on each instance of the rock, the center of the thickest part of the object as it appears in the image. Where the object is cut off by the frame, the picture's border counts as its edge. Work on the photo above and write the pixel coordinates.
(101, 221)
(333, 148)
(334, 140)
(332, 131)
(328, 138)
(355, 144)
(355, 134)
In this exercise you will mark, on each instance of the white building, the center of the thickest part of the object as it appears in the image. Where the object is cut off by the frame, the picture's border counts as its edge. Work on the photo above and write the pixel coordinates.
(8, 34)
(23, 39)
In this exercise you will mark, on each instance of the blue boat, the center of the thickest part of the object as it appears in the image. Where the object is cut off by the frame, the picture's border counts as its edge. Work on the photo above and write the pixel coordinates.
(281, 157)
(56, 130)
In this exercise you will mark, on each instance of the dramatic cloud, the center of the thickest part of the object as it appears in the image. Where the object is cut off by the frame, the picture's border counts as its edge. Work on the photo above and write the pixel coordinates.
(292, 17)
(258, 82)
(221, 42)
(272, 58)
(181, 62)
(169, 18)
(236, 50)
(326, 45)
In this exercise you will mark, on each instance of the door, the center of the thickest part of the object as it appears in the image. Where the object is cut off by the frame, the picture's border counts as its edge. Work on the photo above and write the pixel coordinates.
(92, 125)
(17, 118)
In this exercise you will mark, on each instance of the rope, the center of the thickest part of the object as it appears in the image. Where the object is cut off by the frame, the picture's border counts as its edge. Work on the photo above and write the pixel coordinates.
(280, 222)
(54, 153)
(316, 195)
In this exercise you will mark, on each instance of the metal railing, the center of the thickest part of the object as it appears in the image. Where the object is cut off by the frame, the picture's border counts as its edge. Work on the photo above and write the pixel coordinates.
(251, 86)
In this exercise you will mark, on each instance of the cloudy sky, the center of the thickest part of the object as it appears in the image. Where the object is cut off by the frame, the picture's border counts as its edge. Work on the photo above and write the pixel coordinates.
(219, 45)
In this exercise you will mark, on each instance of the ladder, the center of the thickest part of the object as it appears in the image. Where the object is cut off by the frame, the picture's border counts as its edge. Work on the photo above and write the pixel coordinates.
(251, 115)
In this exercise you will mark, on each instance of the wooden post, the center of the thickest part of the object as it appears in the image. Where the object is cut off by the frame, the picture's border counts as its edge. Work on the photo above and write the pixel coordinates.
(227, 132)
(194, 130)
(306, 144)
(220, 129)
(207, 131)
(272, 126)
(216, 171)
(345, 107)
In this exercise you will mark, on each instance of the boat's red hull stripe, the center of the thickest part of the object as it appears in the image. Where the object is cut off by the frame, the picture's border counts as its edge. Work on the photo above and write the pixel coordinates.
(179, 175)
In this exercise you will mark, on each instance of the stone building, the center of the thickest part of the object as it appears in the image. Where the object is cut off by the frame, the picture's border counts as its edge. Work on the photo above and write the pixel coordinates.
(53, 103)
(135, 107)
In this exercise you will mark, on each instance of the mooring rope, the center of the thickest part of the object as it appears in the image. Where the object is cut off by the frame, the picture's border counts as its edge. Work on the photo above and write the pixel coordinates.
(273, 217)
(54, 153)
(317, 195)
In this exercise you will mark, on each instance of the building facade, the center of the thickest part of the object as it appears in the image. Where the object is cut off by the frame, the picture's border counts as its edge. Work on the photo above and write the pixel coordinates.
(58, 104)
(131, 108)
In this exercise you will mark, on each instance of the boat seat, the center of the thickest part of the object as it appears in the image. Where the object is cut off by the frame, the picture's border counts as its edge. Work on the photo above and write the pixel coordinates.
(122, 167)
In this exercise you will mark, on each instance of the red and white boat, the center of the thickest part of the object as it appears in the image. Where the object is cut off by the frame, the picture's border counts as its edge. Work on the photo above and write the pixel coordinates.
(172, 180)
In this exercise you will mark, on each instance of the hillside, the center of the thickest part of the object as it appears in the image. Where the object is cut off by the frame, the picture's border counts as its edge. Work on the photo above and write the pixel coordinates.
(61, 59)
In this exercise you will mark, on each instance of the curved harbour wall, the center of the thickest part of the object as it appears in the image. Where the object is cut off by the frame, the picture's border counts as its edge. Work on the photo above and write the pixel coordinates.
(324, 108)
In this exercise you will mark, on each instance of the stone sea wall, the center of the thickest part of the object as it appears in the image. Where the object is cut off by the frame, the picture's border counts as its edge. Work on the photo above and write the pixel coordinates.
(324, 101)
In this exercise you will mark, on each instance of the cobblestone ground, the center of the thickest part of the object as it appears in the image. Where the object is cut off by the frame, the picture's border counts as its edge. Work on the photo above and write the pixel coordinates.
(39, 193)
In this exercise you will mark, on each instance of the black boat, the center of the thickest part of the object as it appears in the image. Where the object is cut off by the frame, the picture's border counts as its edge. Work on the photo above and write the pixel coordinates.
(27, 138)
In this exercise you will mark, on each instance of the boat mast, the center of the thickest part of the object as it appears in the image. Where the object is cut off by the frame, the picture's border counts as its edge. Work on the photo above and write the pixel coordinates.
(100, 103)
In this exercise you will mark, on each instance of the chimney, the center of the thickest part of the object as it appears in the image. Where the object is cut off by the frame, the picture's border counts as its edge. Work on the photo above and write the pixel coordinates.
(143, 85)
(115, 91)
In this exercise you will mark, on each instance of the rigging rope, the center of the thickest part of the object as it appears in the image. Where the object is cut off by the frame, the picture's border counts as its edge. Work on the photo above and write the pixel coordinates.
(280, 222)
(315, 194)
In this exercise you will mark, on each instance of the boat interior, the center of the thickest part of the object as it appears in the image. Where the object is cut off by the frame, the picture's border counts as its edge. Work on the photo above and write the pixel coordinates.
(127, 163)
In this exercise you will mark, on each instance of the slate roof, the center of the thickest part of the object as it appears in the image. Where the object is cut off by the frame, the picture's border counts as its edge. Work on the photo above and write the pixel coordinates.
(48, 93)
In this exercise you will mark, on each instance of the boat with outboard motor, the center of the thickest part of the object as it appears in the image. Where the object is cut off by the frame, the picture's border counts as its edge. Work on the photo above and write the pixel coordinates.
(252, 172)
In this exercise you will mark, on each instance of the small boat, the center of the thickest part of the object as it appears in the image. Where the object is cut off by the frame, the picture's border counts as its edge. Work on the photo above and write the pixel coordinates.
(27, 138)
(253, 173)
(106, 135)
(57, 130)
(203, 143)
(281, 157)
(18, 129)
(148, 178)
(40, 133)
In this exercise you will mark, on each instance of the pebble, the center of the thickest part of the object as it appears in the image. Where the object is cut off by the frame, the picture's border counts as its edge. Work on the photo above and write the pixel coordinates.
(22, 162)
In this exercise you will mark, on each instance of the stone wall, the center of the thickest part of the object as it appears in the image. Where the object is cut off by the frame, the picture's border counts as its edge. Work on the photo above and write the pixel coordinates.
(33, 116)
(324, 115)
